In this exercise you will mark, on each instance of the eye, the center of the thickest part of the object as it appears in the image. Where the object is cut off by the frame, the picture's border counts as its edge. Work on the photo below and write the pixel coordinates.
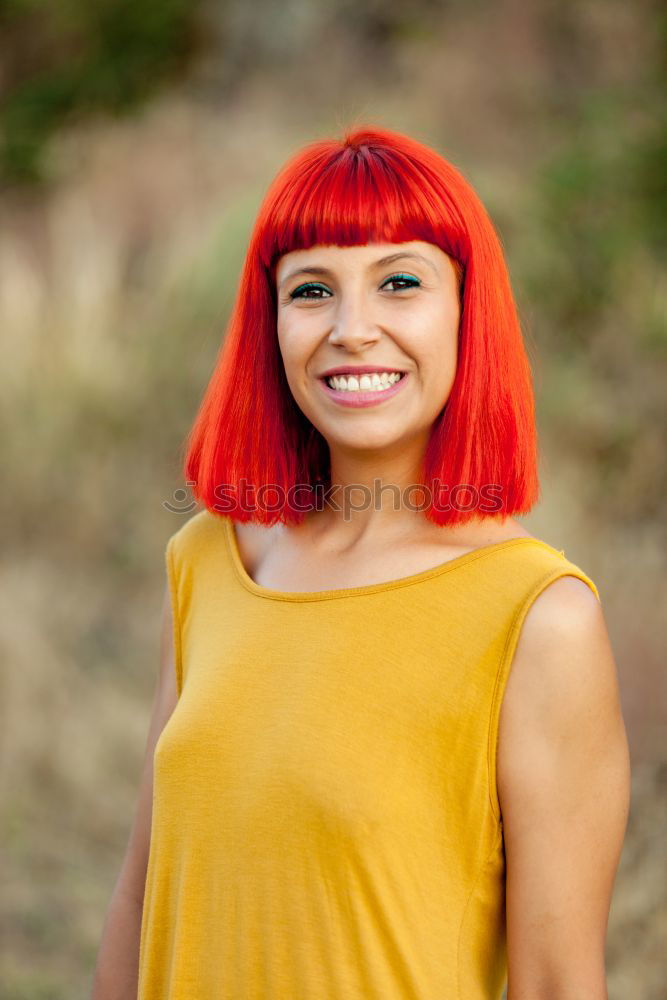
(409, 281)
(309, 286)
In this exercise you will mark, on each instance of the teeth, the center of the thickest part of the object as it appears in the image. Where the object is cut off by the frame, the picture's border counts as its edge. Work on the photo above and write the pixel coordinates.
(374, 382)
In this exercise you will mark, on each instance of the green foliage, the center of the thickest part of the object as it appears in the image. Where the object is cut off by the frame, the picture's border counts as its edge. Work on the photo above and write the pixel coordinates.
(70, 58)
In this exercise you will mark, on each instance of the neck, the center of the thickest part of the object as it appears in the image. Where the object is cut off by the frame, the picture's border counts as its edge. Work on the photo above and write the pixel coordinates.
(373, 491)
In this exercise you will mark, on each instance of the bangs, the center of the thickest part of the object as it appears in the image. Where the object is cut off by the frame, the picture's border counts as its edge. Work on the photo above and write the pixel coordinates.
(355, 196)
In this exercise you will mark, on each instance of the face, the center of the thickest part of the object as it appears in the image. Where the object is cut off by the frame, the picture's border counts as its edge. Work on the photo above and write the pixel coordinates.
(368, 337)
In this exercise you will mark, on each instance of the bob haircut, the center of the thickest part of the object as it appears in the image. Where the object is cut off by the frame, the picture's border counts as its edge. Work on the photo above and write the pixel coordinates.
(372, 185)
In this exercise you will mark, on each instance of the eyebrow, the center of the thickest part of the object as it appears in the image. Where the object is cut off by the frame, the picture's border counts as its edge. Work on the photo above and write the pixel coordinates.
(316, 269)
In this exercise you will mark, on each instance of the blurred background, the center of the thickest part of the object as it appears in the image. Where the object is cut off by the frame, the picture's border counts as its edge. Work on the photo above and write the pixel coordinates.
(137, 138)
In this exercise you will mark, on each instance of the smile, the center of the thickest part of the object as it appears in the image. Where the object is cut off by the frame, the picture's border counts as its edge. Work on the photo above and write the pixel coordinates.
(364, 383)
(363, 390)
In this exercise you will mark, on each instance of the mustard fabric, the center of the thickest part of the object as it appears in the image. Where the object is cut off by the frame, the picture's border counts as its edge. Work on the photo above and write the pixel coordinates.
(326, 824)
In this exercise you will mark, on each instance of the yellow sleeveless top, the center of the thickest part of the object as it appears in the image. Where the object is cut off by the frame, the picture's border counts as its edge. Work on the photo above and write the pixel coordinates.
(326, 823)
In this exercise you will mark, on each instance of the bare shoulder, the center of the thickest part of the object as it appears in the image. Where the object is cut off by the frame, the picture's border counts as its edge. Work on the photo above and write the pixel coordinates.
(564, 658)
(567, 602)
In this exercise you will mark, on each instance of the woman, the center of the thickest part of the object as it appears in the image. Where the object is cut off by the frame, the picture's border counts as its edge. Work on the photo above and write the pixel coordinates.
(353, 796)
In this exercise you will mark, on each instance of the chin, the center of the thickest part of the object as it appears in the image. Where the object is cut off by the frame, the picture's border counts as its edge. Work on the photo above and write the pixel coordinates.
(366, 442)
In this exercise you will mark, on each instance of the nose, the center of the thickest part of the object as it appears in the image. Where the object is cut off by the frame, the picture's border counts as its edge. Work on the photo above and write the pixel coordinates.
(353, 328)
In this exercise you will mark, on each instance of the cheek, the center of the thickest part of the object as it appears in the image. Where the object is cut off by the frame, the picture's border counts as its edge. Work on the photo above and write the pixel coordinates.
(294, 352)
(436, 352)
(297, 340)
(288, 344)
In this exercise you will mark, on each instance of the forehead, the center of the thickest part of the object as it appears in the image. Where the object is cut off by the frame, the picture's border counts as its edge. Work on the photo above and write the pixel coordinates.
(362, 256)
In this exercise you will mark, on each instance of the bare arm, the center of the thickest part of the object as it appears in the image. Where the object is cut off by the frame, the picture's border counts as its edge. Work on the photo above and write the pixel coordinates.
(116, 972)
(564, 786)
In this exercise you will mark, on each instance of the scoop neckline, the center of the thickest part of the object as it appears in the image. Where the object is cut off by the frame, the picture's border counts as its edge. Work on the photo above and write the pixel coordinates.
(371, 588)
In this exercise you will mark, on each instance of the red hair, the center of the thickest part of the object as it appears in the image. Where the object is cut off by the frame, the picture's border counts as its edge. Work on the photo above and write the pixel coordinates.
(372, 186)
